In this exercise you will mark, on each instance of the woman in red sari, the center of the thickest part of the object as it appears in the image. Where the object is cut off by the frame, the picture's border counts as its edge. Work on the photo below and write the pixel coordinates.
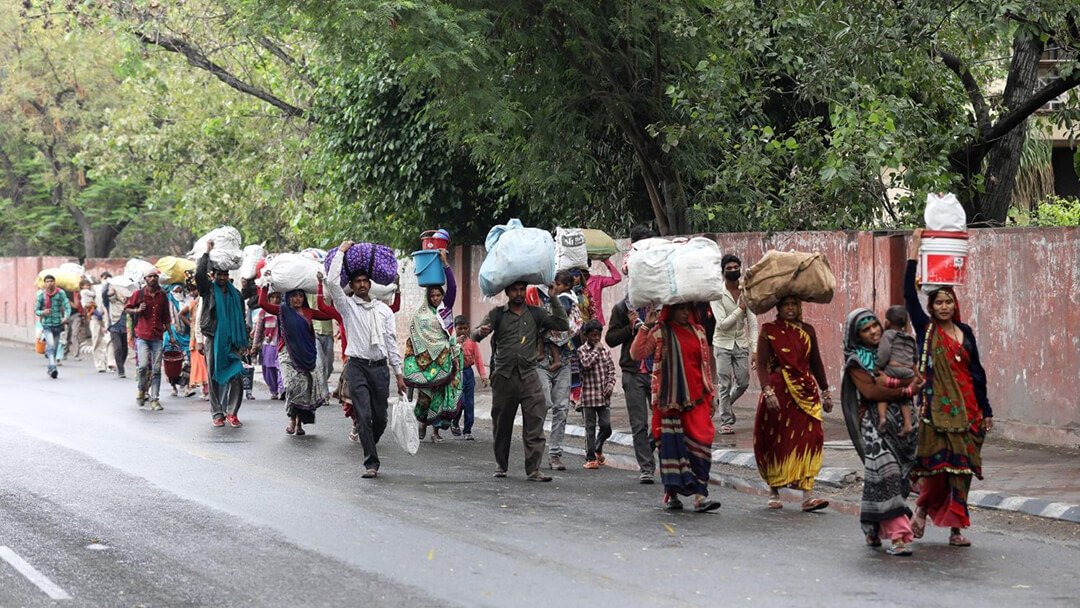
(788, 437)
(955, 414)
(682, 402)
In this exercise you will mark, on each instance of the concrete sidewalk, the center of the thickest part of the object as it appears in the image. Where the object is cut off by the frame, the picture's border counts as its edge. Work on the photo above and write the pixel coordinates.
(1035, 480)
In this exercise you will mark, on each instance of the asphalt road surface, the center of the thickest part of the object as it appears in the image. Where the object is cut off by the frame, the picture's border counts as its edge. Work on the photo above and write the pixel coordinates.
(106, 504)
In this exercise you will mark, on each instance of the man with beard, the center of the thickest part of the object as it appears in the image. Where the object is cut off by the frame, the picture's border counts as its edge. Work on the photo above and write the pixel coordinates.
(517, 330)
(734, 338)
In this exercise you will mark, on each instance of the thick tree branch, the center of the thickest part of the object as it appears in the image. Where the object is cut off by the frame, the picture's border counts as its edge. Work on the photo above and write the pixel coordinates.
(1043, 96)
(201, 61)
(971, 87)
(288, 60)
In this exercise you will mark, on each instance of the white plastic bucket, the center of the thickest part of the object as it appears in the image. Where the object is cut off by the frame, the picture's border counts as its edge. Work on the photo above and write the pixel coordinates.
(942, 258)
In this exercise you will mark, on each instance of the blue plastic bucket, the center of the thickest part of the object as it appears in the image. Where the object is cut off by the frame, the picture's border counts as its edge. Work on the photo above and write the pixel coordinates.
(429, 269)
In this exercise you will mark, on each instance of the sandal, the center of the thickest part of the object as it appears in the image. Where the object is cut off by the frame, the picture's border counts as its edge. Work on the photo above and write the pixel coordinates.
(774, 503)
(814, 504)
(873, 541)
(672, 503)
(289, 430)
(899, 549)
(918, 524)
(300, 431)
(706, 505)
(600, 460)
(959, 540)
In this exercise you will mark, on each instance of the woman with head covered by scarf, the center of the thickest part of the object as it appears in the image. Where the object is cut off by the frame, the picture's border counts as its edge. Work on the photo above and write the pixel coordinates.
(682, 402)
(298, 356)
(433, 364)
(888, 455)
(954, 413)
(789, 440)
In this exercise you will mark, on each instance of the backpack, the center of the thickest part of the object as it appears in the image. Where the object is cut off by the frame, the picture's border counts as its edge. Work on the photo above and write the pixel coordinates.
(496, 320)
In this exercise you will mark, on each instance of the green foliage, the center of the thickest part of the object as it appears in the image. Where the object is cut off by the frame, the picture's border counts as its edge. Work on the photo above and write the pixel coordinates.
(1051, 211)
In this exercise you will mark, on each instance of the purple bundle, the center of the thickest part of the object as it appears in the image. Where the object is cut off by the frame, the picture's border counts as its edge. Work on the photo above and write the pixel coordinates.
(377, 260)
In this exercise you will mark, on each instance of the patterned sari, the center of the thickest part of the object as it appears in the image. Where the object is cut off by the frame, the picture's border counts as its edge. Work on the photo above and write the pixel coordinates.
(950, 434)
(433, 364)
(682, 406)
(789, 442)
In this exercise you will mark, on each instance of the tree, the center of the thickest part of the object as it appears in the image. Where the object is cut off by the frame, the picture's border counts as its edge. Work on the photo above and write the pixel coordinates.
(55, 90)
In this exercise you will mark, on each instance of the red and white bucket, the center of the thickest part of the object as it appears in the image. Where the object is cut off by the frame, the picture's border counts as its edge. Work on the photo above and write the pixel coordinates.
(942, 258)
(435, 239)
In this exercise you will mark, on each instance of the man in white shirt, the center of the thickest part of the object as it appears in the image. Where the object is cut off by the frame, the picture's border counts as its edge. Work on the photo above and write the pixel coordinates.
(734, 343)
(372, 344)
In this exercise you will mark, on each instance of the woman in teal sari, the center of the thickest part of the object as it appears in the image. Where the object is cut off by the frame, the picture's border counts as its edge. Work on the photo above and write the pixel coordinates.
(433, 364)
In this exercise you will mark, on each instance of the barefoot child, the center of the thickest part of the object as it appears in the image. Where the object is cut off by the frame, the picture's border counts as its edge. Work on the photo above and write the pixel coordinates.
(897, 357)
(597, 382)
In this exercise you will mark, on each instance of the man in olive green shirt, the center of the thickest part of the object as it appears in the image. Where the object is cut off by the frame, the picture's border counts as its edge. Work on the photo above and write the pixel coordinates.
(517, 330)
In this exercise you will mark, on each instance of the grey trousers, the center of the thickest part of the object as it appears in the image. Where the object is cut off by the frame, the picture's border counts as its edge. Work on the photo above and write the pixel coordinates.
(556, 387)
(325, 345)
(224, 398)
(369, 389)
(507, 393)
(732, 379)
(638, 391)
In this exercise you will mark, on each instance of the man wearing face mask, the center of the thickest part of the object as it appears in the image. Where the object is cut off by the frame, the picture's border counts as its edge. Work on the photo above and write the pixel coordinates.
(735, 337)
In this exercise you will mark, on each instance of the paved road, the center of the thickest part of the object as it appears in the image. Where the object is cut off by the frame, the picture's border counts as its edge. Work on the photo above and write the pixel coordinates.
(120, 507)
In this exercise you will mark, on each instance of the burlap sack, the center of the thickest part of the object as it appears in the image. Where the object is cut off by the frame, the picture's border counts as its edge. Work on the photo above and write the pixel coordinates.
(788, 273)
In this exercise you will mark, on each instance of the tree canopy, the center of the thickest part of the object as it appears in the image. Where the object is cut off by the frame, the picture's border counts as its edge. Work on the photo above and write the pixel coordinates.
(305, 122)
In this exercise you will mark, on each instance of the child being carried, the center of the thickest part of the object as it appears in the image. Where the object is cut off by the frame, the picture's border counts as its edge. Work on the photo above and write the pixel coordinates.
(897, 357)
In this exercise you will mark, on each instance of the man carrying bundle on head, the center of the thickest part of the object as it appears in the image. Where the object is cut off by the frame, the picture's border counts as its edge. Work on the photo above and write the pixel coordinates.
(221, 322)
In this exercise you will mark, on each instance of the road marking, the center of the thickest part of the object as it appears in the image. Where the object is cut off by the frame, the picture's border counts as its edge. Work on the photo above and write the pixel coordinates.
(47, 586)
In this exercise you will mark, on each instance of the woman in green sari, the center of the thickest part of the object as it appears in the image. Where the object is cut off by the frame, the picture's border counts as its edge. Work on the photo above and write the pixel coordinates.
(433, 364)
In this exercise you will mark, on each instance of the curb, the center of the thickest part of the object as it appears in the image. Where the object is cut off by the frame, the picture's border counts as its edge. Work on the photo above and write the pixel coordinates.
(1023, 504)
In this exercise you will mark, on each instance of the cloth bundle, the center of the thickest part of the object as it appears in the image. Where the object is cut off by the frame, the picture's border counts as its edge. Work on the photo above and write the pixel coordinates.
(135, 270)
(516, 253)
(291, 271)
(173, 270)
(252, 255)
(377, 260)
(121, 288)
(65, 279)
(676, 271)
(599, 245)
(226, 254)
(72, 267)
(780, 274)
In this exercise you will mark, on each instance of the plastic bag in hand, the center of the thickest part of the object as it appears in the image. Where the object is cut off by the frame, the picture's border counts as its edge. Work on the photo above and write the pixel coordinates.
(403, 424)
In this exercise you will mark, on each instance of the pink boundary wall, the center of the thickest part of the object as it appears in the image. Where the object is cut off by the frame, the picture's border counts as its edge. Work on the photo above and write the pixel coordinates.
(1023, 300)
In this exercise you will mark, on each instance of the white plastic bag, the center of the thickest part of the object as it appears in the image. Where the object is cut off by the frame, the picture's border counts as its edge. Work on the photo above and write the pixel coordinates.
(944, 212)
(570, 249)
(516, 253)
(674, 272)
(291, 271)
(403, 424)
(74, 268)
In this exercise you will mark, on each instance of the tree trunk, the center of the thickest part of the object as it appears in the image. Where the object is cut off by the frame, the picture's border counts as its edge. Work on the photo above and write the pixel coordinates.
(992, 208)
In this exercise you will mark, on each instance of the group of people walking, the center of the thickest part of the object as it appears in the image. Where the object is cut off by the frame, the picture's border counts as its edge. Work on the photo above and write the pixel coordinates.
(915, 405)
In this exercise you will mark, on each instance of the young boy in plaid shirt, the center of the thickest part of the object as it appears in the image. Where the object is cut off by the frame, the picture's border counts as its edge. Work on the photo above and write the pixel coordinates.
(597, 382)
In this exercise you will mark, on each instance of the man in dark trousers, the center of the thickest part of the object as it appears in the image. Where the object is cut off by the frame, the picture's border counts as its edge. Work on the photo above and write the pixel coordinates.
(623, 325)
(222, 324)
(517, 328)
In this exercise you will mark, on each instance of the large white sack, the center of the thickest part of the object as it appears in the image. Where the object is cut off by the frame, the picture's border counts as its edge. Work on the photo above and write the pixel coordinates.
(72, 267)
(673, 272)
(252, 255)
(135, 270)
(516, 253)
(944, 212)
(384, 293)
(570, 249)
(291, 271)
(121, 288)
(224, 237)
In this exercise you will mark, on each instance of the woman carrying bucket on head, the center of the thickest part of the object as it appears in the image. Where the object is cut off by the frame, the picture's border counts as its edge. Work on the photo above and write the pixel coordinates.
(433, 358)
